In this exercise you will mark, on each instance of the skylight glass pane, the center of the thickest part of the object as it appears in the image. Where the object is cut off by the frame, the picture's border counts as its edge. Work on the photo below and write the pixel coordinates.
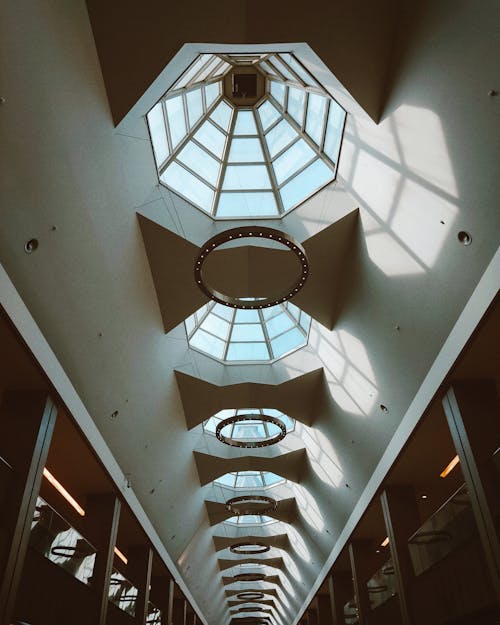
(158, 133)
(200, 161)
(192, 70)
(249, 519)
(279, 137)
(305, 321)
(190, 325)
(282, 68)
(296, 157)
(223, 311)
(245, 123)
(268, 114)
(222, 115)
(247, 351)
(228, 479)
(249, 430)
(245, 151)
(176, 121)
(304, 184)
(220, 70)
(269, 69)
(286, 342)
(292, 309)
(278, 324)
(257, 204)
(208, 68)
(212, 92)
(248, 480)
(335, 125)
(316, 109)
(247, 332)
(180, 180)
(216, 326)
(296, 104)
(208, 343)
(278, 92)
(241, 177)
(271, 478)
(246, 316)
(299, 69)
(271, 311)
(194, 105)
(212, 138)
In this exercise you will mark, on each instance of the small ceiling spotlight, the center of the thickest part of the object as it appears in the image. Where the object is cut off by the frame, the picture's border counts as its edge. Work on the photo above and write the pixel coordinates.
(384, 408)
(30, 246)
(464, 237)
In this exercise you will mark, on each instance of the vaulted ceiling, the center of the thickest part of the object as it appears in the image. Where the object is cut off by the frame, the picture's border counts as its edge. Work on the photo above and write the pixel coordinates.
(111, 280)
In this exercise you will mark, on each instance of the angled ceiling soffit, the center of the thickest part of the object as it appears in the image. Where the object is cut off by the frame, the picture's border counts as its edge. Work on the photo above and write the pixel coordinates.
(280, 541)
(227, 563)
(286, 511)
(252, 270)
(289, 465)
(298, 397)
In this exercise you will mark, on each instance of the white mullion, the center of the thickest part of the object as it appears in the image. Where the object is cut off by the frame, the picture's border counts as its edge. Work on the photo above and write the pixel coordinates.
(269, 165)
(287, 147)
(185, 110)
(298, 171)
(167, 130)
(266, 335)
(296, 322)
(224, 157)
(325, 125)
(306, 110)
(195, 174)
(301, 82)
(231, 327)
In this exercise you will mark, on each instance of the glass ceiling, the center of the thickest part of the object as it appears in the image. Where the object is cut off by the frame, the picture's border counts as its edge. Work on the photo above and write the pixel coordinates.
(249, 479)
(250, 519)
(238, 335)
(249, 430)
(246, 161)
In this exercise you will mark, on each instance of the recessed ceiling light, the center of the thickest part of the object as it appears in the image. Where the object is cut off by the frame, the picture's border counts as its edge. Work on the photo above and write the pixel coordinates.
(449, 468)
(121, 555)
(60, 488)
(424, 496)
(385, 542)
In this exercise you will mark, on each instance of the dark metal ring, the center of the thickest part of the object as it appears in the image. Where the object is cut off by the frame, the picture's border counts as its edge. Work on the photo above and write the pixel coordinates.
(239, 548)
(249, 577)
(250, 595)
(250, 417)
(250, 609)
(248, 499)
(245, 232)
(67, 551)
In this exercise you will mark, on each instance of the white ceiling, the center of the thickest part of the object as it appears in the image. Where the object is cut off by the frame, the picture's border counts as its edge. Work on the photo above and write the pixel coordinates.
(73, 181)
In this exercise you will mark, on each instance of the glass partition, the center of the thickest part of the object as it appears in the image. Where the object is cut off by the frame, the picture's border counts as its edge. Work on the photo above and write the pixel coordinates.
(122, 593)
(382, 585)
(448, 528)
(53, 537)
(351, 612)
(5, 477)
(154, 615)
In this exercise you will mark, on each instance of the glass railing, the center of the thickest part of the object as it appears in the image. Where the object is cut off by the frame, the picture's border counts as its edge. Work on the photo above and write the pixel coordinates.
(448, 528)
(53, 537)
(382, 585)
(154, 615)
(122, 592)
(351, 612)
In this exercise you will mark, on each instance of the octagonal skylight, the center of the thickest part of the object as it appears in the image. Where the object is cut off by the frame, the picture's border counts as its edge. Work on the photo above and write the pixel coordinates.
(250, 519)
(235, 152)
(249, 479)
(248, 335)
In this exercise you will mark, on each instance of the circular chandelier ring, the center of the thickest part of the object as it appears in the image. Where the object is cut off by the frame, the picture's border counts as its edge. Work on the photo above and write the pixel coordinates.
(272, 504)
(250, 595)
(239, 548)
(249, 577)
(245, 232)
(250, 417)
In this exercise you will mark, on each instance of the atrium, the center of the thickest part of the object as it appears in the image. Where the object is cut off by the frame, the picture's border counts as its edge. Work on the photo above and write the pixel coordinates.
(249, 315)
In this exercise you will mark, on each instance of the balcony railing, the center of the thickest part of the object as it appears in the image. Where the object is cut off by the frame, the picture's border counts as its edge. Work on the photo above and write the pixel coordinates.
(382, 585)
(122, 592)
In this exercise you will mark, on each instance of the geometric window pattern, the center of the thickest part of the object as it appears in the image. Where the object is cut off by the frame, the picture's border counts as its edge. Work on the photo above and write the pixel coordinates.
(255, 429)
(250, 519)
(239, 335)
(259, 161)
(249, 479)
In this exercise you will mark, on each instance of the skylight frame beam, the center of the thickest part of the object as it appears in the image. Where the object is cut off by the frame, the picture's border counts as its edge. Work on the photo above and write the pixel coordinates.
(268, 161)
(299, 82)
(222, 172)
